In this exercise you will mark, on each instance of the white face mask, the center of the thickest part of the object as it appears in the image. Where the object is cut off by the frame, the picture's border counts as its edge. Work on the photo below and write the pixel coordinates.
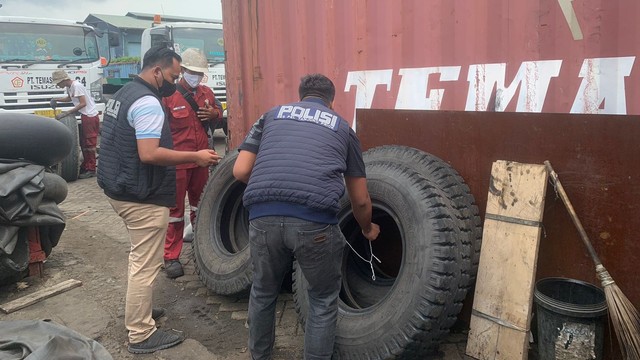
(192, 80)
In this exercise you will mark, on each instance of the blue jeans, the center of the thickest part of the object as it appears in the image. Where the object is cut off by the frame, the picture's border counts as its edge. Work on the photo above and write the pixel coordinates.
(274, 241)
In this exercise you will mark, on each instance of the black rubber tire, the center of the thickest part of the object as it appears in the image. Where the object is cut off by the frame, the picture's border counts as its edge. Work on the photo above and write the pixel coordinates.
(398, 315)
(39, 139)
(69, 167)
(55, 187)
(453, 187)
(221, 241)
(452, 184)
(12, 266)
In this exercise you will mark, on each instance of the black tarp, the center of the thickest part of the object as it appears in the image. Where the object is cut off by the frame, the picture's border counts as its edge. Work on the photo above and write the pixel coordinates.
(22, 204)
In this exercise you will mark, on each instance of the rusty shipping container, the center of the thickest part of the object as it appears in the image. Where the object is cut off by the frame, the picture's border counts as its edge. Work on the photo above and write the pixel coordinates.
(552, 56)
(546, 61)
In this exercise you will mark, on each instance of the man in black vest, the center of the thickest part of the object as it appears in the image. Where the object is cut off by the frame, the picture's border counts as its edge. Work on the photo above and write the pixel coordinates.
(296, 161)
(137, 173)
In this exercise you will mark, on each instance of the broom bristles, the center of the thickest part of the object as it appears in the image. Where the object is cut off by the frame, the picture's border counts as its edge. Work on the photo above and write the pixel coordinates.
(624, 316)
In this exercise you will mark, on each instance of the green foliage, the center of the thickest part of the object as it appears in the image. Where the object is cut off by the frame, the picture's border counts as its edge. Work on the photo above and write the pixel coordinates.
(126, 60)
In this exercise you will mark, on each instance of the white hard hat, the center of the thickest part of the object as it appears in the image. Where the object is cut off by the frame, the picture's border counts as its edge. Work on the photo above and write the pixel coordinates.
(194, 60)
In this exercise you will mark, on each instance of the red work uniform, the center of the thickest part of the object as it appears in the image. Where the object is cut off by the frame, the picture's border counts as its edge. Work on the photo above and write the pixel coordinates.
(188, 135)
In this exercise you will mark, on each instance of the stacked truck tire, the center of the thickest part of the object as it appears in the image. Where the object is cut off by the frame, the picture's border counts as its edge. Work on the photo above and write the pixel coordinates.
(429, 250)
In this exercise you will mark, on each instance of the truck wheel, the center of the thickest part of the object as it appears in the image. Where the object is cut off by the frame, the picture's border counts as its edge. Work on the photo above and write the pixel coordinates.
(454, 188)
(406, 310)
(69, 168)
(221, 242)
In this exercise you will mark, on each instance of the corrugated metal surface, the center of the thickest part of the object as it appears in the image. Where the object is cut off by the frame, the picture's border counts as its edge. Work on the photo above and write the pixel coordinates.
(553, 56)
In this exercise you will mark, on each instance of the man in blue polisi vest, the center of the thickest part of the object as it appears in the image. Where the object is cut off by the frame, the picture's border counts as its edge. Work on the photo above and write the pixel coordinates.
(296, 161)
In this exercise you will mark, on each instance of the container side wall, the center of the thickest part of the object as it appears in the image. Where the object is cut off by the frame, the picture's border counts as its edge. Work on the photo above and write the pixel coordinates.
(551, 56)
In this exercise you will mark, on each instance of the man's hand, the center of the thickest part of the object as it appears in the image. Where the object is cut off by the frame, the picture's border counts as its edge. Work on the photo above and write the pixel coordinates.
(53, 103)
(208, 112)
(373, 232)
(207, 157)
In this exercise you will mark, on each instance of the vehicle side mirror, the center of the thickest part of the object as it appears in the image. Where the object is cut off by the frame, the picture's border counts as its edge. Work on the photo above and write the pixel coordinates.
(114, 39)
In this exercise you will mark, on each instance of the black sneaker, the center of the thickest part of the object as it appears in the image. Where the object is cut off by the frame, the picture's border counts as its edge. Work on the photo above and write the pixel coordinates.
(157, 313)
(87, 174)
(159, 340)
(173, 269)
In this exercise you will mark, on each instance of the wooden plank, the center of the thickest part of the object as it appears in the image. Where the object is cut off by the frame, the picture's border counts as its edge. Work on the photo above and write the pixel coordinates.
(39, 296)
(504, 288)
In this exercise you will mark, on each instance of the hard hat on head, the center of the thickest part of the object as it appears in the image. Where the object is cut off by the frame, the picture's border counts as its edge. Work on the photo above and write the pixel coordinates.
(194, 60)
(58, 76)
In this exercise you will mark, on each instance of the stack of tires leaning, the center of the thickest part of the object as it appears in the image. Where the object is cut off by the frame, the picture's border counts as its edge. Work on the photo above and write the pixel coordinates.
(29, 190)
(429, 249)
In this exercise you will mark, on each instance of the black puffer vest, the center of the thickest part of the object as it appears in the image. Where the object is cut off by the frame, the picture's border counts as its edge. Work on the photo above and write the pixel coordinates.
(302, 157)
(120, 172)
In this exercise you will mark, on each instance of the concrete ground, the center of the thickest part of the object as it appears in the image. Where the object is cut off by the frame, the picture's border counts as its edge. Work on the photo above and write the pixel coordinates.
(94, 250)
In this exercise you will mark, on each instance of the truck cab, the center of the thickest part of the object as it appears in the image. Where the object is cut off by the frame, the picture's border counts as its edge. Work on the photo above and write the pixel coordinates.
(32, 48)
(206, 37)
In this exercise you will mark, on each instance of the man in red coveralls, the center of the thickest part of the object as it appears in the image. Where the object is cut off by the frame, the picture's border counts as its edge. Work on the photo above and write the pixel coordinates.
(190, 109)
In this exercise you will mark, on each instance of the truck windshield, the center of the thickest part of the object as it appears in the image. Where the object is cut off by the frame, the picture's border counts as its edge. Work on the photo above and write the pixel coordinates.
(44, 42)
(208, 40)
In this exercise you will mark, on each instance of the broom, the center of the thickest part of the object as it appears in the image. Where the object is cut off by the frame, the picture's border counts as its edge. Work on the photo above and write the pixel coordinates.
(624, 315)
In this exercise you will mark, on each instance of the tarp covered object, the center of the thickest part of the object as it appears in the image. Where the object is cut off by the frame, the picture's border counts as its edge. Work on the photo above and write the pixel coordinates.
(22, 203)
(45, 340)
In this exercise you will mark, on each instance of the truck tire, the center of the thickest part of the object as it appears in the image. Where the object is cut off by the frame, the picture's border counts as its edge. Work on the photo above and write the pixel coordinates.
(35, 138)
(69, 167)
(406, 310)
(452, 184)
(221, 241)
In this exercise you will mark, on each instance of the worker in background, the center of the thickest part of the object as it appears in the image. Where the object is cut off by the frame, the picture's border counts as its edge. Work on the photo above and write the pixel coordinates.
(90, 122)
(190, 110)
(137, 174)
(297, 159)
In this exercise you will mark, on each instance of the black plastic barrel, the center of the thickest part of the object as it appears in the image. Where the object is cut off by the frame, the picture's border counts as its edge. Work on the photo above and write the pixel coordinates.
(570, 317)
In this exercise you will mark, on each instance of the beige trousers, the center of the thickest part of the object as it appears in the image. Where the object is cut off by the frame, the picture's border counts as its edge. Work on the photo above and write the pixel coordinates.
(147, 226)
